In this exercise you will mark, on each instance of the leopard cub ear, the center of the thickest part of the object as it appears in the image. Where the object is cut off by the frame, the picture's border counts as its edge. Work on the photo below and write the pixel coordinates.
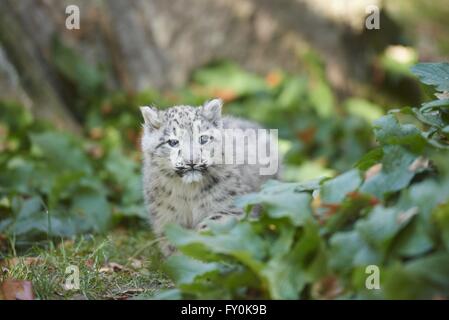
(151, 116)
(211, 110)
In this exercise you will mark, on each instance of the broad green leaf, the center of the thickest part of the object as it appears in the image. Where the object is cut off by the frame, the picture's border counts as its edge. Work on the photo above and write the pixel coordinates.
(336, 189)
(424, 278)
(413, 240)
(288, 274)
(93, 207)
(426, 196)
(229, 77)
(395, 174)
(240, 242)
(364, 109)
(349, 250)
(292, 93)
(389, 131)
(322, 99)
(61, 152)
(434, 74)
(184, 270)
(370, 159)
(434, 104)
(381, 226)
(282, 201)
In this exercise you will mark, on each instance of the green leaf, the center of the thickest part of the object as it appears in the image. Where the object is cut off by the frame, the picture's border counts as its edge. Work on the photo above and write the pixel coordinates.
(370, 159)
(184, 270)
(288, 274)
(428, 106)
(292, 93)
(364, 109)
(413, 240)
(322, 99)
(395, 174)
(389, 131)
(61, 152)
(229, 77)
(434, 74)
(282, 201)
(426, 196)
(29, 217)
(93, 207)
(381, 226)
(240, 242)
(425, 278)
(335, 190)
(349, 250)
(441, 217)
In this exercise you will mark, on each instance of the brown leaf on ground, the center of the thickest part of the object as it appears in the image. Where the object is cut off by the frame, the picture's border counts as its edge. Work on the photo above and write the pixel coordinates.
(327, 288)
(89, 263)
(111, 267)
(136, 264)
(27, 261)
(12, 289)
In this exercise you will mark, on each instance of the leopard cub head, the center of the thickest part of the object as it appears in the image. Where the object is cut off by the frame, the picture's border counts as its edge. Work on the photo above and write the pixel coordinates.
(183, 140)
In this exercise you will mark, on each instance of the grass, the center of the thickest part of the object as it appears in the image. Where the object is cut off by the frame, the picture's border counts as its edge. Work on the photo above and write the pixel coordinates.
(125, 264)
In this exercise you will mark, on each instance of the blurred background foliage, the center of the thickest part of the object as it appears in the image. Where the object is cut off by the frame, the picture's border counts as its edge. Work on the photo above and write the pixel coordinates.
(69, 118)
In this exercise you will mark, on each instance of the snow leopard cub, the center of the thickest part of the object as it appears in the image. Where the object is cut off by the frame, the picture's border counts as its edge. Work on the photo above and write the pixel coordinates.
(182, 184)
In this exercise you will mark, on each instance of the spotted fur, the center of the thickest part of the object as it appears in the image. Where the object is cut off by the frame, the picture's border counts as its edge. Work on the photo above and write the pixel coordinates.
(180, 184)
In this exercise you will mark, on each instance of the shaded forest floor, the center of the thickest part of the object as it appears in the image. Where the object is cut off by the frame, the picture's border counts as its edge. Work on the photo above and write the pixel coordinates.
(125, 264)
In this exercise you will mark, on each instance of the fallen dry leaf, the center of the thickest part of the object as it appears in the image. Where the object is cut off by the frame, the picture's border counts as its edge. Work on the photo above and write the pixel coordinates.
(327, 288)
(89, 263)
(11, 263)
(136, 264)
(12, 289)
(114, 267)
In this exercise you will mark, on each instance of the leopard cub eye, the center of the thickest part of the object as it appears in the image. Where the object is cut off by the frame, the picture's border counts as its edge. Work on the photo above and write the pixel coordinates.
(205, 139)
(173, 142)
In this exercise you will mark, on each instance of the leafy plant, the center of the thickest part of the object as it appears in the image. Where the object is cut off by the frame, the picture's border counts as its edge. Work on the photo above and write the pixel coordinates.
(47, 183)
(315, 239)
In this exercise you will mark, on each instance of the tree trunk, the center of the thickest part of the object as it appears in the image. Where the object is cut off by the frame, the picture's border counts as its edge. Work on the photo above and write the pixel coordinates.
(157, 43)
